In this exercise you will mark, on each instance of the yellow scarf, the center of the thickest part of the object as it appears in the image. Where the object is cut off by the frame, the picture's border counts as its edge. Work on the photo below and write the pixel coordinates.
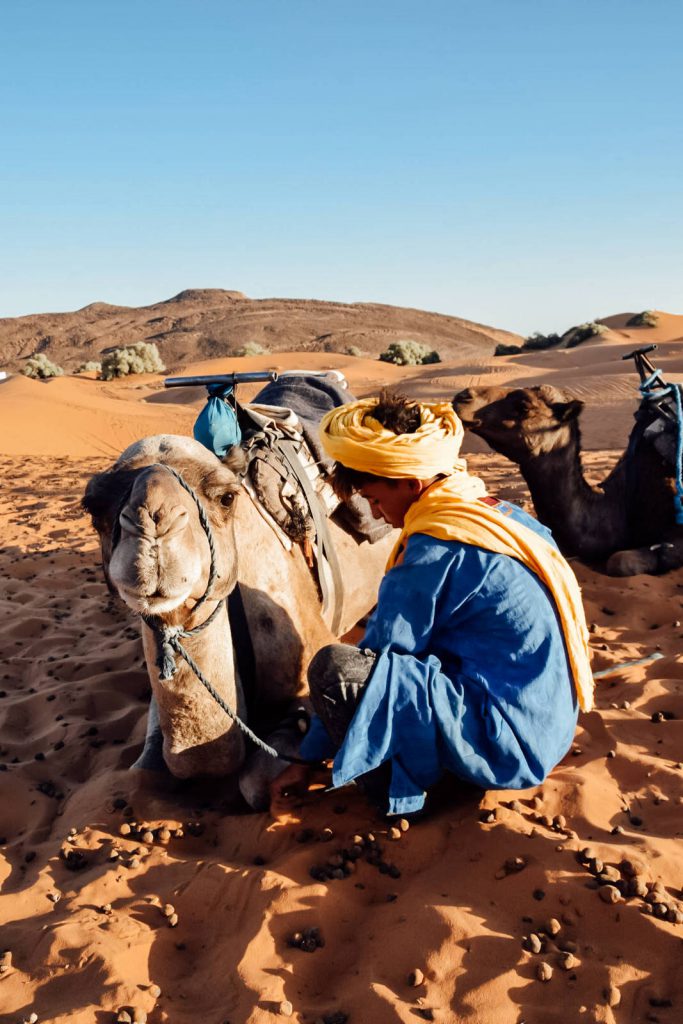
(441, 512)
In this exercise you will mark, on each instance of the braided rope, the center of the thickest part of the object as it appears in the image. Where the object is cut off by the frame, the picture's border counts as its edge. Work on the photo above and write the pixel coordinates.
(169, 644)
(206, 526)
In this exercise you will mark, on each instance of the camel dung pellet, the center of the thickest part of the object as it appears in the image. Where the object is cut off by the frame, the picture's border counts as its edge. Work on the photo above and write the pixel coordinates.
(32, 1018)
(612, 995)
(168, 909)
(610, 874)
(514, 864)
(404, 824)
(147, 837)
(178, 833)
(559, 821)
(327, 834)
(154, 991)
(544, 971)
(357, 840)
(164, 835)
(609, 893)
(553, 927)
(516, 806)
(394, 833)
(416, 977)
(134, 862)
(173, 921)
(125, 830)
(286, 1008)
(123, 1017)
(636, 887)
(628, 868)
(54, 897)
(534, 943)
(660, 910)
(675, 916)
(568, 961)
(154, 900)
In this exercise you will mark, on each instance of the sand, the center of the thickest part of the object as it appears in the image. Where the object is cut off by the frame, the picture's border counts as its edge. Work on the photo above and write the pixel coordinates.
(84, 922)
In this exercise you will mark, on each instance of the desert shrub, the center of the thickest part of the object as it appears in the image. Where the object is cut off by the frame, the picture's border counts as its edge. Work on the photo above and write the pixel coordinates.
(583, 332)
(92, 366)
(539, 341)
(252, 348)
(41, 368)
(648, 318)
(507, 350)
(142, 357)
(353, 350)
(409, 353)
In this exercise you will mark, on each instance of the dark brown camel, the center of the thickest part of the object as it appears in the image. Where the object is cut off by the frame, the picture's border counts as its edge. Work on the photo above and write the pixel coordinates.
(627, 521)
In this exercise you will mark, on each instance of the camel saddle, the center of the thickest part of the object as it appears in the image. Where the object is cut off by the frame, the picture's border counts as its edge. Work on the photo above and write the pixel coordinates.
(287, 475)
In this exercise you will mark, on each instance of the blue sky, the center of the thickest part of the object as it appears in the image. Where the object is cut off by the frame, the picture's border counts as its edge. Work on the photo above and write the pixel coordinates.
(515, 162)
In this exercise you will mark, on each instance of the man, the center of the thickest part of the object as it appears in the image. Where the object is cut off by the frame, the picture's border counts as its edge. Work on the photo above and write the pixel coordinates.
(475, 659)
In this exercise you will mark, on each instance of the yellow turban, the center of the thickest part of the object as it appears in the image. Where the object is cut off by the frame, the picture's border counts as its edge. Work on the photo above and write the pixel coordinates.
(351, 435)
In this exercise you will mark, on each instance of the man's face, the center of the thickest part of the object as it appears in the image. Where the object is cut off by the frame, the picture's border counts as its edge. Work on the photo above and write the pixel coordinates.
(391, 499)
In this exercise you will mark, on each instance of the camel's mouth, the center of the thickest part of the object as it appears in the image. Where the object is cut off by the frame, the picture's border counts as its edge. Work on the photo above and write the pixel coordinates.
(152, 604)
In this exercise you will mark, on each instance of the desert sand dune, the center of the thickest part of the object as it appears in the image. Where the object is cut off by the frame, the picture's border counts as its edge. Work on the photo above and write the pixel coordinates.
(81, 909)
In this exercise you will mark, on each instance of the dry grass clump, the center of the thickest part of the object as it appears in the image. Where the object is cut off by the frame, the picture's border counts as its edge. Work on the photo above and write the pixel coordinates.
(40, 367)
(252, 348)
(648, 318)
(142, 357)
(409, 353)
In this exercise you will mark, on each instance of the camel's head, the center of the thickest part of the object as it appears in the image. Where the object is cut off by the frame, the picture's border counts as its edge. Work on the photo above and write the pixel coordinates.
(520, 423)
(155, 550)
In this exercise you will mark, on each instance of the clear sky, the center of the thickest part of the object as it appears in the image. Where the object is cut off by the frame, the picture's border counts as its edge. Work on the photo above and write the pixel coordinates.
(515, 162)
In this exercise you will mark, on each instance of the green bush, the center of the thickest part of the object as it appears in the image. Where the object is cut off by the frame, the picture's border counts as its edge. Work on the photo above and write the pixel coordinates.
(252, 348)
(539, 341)
(577, 335)
(507, 350)
(409, 353)
(648, 318)
(142, 357)
(92, 366)
(41, 368)
(353, 350)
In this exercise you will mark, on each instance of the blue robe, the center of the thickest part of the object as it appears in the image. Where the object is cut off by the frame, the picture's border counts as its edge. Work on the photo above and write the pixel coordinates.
(472, 675)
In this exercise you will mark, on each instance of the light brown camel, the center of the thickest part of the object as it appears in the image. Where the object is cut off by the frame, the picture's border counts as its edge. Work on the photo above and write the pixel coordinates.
(156, 556)
(627, 521)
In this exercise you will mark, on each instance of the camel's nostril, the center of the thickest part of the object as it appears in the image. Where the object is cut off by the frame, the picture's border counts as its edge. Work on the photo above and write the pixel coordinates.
(462, 396)
(154, 523)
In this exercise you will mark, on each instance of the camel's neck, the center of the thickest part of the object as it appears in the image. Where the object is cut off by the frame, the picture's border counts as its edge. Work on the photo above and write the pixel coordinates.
(585, 520)
(199, 738)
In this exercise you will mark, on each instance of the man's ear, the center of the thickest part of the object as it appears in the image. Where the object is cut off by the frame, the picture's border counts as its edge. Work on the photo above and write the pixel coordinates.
(416, 487)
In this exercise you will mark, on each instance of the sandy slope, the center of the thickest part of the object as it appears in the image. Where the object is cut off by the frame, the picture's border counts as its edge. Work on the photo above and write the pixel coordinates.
(72, 712)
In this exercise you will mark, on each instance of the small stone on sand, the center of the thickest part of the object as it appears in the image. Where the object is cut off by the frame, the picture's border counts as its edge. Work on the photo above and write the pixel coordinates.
(286, 1008)
(544, 971)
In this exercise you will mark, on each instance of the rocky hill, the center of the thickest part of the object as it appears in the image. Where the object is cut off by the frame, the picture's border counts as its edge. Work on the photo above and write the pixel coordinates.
(207, 323)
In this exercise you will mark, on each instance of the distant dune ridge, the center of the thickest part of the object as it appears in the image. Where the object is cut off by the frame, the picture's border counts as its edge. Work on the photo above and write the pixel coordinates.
(207, 323)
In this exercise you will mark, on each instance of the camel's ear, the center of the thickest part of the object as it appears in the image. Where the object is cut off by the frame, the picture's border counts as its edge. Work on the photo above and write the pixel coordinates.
(566, 411)
(105, 492)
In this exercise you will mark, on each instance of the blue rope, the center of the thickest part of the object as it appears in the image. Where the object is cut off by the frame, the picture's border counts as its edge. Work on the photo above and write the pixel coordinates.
(678, 499)
(648, 392)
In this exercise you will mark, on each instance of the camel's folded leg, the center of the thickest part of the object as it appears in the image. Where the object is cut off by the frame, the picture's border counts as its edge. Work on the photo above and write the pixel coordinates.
(261, 768)
(152, 757)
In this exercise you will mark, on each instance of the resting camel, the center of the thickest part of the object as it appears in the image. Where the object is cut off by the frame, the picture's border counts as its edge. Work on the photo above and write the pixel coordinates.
(156, 557)
(627, 521)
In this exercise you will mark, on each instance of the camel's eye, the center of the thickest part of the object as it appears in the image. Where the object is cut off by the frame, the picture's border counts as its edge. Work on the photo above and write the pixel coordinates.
(227, 499)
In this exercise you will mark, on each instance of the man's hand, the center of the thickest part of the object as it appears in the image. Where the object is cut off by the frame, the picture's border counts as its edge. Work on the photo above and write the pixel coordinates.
(293, 781)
